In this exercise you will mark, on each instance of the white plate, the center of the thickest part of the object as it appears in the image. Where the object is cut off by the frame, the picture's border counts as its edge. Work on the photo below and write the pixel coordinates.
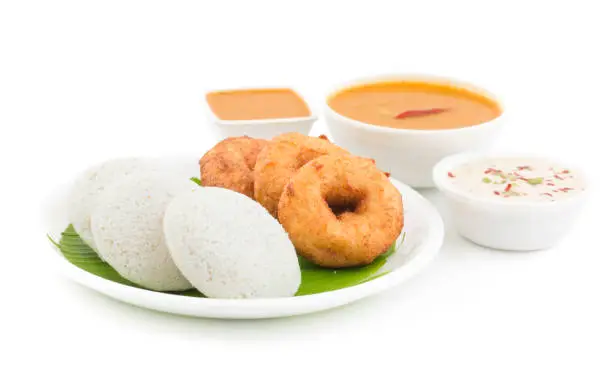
(424, 234)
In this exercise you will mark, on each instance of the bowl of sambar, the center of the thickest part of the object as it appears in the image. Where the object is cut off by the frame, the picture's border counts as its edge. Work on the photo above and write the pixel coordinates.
(407, 123)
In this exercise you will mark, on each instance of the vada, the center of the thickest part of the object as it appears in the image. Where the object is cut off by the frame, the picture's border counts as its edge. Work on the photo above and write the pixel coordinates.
(341, 211)
(280, 159)
(230, 163)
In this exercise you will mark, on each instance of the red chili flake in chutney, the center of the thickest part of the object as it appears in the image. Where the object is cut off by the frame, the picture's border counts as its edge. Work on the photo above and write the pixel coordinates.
(450, 174)
(566, 189)
(547, 194)
(497, 193)
(559, 177)
(508, 187)
(523, 167)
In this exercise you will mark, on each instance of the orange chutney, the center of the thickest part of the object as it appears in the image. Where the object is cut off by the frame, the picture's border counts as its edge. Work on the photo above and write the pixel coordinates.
(257, 104)
(414, 105)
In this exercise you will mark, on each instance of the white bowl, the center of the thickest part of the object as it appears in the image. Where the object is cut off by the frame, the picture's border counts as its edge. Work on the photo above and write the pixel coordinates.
(260, 128)
(424, 233)
(506, 225)
(409, 154)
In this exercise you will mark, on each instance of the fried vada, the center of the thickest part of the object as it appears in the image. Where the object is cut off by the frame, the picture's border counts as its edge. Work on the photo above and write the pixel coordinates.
(341, 211)
(230, 163)
(280, 159)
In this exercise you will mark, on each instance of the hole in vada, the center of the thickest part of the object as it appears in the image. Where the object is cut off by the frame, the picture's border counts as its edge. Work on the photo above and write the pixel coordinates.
(339, 209)
(341, 204)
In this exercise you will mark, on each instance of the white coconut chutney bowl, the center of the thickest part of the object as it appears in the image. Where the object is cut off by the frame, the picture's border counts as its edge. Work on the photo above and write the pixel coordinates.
(507, 224)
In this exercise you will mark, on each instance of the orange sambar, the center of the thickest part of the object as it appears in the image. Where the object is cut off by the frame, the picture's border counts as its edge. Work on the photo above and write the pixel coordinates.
(414, 105)
(257, 104)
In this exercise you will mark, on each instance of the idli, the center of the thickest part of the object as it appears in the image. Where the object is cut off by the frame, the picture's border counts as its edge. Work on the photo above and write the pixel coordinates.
(127, 227)
(93, 182)
(229, 246)
(90, 184)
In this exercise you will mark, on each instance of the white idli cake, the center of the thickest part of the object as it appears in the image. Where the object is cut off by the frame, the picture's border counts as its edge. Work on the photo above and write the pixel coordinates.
(90, 184)
(127, 226)
(229, 246)
(93, 181)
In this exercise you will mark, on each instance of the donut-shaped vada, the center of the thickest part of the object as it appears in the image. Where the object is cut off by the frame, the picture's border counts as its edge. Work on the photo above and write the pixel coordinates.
(230, 163)
(280, 159)
(341, 211)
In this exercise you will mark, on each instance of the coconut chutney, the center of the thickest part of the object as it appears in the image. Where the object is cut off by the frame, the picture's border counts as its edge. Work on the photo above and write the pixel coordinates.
(516, 179)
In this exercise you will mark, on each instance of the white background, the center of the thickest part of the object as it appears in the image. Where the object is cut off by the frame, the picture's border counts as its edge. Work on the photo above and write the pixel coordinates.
(84, 81)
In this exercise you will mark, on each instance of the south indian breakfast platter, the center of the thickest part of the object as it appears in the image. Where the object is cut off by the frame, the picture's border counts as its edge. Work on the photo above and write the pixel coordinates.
(272, 221)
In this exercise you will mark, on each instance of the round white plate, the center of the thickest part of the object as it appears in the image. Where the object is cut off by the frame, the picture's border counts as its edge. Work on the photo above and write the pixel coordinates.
(424, 234)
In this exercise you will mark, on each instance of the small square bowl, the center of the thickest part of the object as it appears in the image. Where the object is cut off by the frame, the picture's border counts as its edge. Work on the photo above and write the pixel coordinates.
(260, 128)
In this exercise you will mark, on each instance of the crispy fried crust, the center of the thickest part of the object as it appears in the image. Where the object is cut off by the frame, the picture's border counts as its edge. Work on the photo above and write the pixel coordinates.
(280, 159)
(230, 163)
(341, 211)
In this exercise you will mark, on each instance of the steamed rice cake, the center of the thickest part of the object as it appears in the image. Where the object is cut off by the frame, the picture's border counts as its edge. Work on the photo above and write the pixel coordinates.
(127, 227)
(92, 182)
(229, 246)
